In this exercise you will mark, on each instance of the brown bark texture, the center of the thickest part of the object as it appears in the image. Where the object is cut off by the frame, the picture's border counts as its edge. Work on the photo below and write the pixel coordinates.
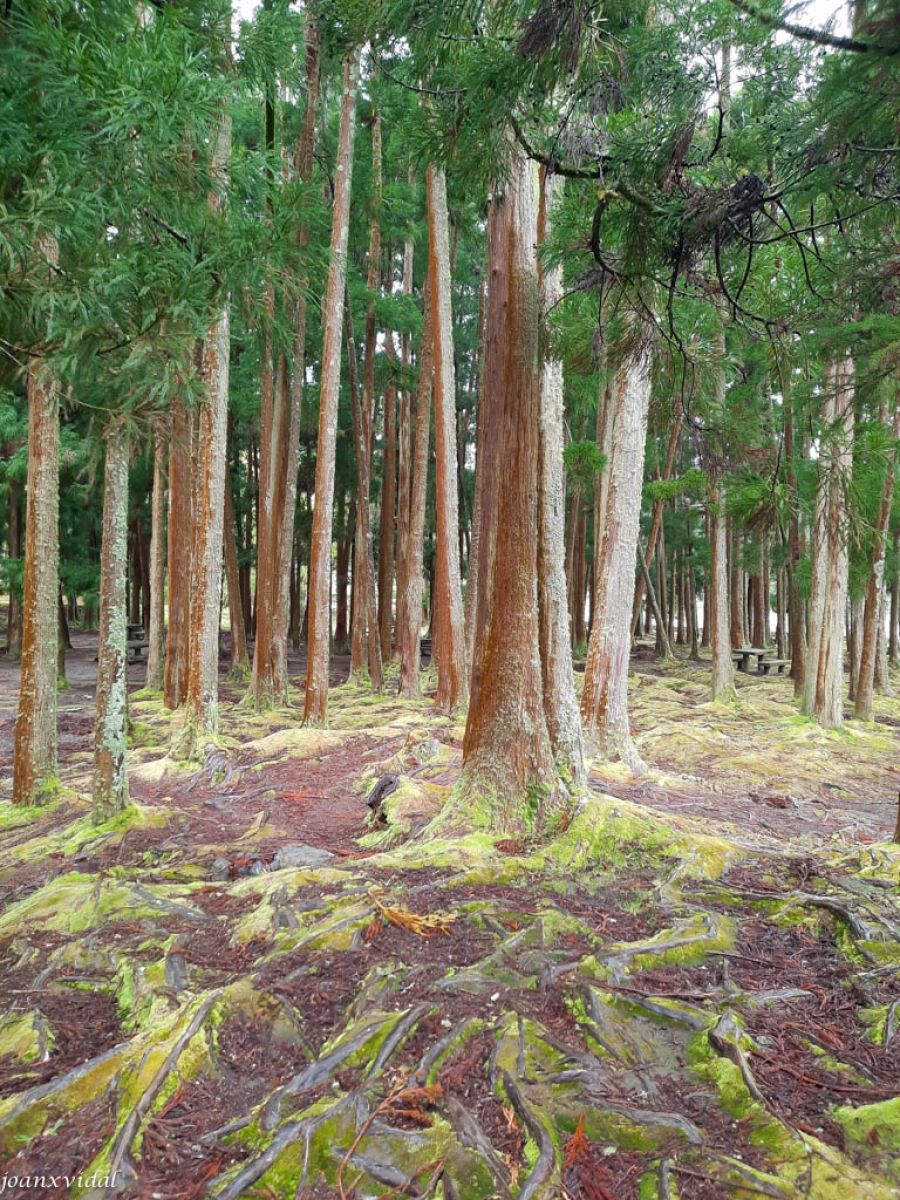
(35, 763)
(156, 635)
(179, 557)
(319, 621)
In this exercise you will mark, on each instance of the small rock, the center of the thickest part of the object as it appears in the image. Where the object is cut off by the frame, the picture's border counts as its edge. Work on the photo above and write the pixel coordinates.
(298, 854)
(427, 749)
(258, 868)
(221, 869)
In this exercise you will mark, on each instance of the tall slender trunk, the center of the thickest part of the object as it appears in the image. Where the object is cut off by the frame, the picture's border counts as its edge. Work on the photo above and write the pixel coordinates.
(365, 646)
(319, 601)
(604, 704)
(409, 595)
(895, 601)
(110, 766)
(658, 506)
(736, 587)
(179, 556)
(404, 480)
(560, 702)
(453, 683)
(201, 724)
(156, 636)
(388, 506)
(874, 610)
(507, 745)
(472, 579)
(14, 616)
(240, 663)
(35, 763)
(823, 697)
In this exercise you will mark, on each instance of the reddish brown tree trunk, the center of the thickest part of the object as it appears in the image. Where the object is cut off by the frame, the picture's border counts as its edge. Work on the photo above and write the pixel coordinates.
(14, 616)
(35, 764)
(507, 744)
(319, 600)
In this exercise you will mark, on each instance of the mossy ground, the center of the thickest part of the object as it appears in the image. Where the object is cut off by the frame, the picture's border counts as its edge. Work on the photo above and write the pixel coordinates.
(703, 965)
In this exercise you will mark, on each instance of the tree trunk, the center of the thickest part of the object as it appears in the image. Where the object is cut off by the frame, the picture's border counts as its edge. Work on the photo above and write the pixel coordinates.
(14, 622)
(110, 766)
(604, 704)
(453, 683)
(472, 580)
(875, 592)
(156, 636)
(34, 767)
(560, 702)
(404, 483)
(895, 602)
(658, 506)
(240, 662)
(201, 724)
(409, 595)
(365, 646)
(507, 746)
(387, 516)
(179, 557)
(738, 625)
(319, 631)
(823, 697)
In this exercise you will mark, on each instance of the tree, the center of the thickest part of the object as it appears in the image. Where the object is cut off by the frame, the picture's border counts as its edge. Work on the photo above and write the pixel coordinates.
(319, 635)
(453, 688)
(110, 728)
(604, 704)
(34, 764)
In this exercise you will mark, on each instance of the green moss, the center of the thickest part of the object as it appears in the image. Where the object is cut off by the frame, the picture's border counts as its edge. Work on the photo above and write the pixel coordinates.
(873, 1124)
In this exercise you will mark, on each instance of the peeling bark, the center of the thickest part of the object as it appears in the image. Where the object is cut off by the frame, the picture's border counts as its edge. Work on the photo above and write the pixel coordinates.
(507, 748)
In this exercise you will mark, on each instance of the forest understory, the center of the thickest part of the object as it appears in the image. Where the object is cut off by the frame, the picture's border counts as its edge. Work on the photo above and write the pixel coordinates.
(248, 985)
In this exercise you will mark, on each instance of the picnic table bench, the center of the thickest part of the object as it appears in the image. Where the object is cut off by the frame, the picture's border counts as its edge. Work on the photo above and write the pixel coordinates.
(137, 642)
(741, 658)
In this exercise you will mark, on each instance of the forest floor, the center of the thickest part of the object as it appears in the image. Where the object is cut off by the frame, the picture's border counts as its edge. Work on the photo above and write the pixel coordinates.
(250, 986)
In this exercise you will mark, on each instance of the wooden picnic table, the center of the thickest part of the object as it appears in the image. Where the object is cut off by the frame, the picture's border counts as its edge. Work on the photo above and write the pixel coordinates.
(743, 655)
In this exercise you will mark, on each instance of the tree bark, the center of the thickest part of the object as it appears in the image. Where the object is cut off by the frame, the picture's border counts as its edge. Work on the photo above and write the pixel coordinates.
(201, 724)
(110, 765)
(240, 662)
(387, 522)
(404, 481)
(365, 646)
(604, 704)
(179, 557)
(318, 638)
(453, 683)
(823, 696)
(560, 702)
(14, 616)
(409, 595)
(156, 636)
(874, 607)
(35, 763)
(507, 746)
